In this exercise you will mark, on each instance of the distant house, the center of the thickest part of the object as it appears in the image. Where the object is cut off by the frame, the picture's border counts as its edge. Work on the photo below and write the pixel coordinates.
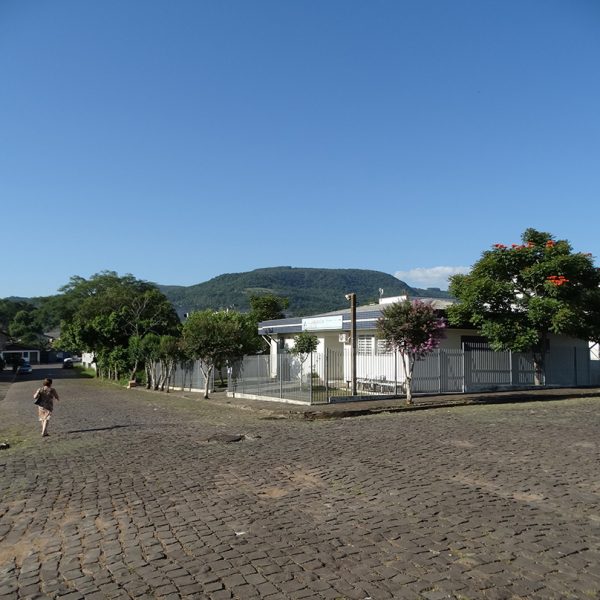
(52, 335)
(33, 355)
(464, 361)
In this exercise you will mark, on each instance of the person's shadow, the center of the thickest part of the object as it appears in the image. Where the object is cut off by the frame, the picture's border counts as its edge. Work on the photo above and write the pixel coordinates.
(91, 429)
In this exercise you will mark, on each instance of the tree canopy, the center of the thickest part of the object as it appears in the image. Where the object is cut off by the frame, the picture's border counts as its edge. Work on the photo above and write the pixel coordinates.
(517, 295)
(304, 344)
(268, 307)
(218, 338)
(102, 314)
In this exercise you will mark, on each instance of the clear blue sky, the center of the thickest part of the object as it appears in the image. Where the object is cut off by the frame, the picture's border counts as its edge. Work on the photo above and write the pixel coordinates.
(181, 140)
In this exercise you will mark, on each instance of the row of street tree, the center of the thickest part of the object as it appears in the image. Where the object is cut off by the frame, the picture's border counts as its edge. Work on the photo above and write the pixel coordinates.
(132, 329)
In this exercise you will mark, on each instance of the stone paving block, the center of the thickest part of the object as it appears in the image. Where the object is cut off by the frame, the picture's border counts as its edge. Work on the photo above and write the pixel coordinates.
(245, 591)
(221, 595)
(71, 595)
(499, 593)
(267, 589)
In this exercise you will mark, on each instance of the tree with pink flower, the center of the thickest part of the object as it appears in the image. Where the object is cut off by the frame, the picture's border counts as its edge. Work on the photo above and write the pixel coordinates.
(414, 329)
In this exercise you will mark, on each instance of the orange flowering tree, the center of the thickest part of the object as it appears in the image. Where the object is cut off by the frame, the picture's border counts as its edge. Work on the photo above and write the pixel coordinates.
(517, 295)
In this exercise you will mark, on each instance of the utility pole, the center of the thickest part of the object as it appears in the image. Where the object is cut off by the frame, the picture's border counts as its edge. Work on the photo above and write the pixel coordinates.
(352, 298)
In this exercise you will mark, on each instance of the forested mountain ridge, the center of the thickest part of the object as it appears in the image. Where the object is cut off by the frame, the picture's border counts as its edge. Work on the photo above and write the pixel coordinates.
(309, 290)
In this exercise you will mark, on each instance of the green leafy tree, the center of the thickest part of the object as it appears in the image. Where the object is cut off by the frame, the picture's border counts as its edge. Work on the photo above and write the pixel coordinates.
(517, 295)
(217, 338)
(159, 355)
(102, 314)
(150, 350)
(8, 310)
(49, 311)
(25, 328)
(414, 330)
(169, 353)
(305, 344)
(137, 355)
(268, 307)
(264, 308)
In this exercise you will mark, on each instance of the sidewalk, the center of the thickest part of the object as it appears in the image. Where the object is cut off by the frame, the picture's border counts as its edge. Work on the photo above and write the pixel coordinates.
(283, 410)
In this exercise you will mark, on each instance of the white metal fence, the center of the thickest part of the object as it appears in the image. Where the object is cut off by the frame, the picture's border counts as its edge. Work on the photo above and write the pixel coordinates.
(187, 376)
(325, 377)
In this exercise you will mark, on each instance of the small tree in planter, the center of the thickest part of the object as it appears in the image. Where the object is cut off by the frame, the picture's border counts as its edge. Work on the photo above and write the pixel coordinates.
(304, 344)
(414, 330)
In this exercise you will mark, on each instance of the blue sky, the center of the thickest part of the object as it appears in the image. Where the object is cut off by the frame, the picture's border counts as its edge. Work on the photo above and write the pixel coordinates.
(181, 140)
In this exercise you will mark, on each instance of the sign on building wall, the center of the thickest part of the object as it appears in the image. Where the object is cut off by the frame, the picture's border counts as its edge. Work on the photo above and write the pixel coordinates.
(322, 323)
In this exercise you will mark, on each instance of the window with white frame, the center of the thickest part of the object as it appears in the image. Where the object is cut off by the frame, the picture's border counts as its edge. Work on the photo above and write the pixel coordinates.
(365, 344)
(382, 347)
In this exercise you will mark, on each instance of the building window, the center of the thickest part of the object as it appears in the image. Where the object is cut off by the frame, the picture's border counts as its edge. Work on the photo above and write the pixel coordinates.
(365, 344)
(382, 347)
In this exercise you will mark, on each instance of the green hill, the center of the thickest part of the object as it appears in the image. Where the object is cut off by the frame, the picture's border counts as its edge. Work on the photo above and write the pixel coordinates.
(310, 291)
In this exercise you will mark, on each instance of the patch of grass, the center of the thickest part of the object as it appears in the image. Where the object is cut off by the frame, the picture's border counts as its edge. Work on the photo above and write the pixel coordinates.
(17, 438)
(86, 372)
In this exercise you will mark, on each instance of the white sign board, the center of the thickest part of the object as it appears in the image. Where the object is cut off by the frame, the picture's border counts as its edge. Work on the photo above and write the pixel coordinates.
(322, 323)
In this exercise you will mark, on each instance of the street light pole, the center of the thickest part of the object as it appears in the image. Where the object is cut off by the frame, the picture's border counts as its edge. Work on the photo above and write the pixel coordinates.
(352, 298)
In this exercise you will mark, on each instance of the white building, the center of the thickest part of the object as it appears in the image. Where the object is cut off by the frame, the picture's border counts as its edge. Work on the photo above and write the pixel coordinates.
(567, 358)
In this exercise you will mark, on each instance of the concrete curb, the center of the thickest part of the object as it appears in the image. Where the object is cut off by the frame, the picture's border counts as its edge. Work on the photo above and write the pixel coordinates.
(277, 410)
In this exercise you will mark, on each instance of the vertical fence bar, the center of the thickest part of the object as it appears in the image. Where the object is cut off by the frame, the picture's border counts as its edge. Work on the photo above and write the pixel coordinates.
(326, 374)
(280, 372)
(310, 378)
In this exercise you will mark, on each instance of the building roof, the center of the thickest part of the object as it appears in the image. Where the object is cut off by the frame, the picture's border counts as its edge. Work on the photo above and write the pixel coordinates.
(366, 318)
(20, 347)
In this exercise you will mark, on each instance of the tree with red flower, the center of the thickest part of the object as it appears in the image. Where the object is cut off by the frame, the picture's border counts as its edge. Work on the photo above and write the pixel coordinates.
(516, 297)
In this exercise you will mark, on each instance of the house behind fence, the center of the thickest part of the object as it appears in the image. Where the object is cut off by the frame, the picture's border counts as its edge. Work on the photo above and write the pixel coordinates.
(326, 377)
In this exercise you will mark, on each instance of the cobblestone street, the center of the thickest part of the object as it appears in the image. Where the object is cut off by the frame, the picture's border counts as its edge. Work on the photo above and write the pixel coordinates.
(147, 495)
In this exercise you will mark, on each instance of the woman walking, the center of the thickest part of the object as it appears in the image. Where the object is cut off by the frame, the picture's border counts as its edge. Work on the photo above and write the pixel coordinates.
(44, 398)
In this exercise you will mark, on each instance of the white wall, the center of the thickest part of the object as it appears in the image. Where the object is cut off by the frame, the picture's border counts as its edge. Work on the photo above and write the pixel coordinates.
(86, 360)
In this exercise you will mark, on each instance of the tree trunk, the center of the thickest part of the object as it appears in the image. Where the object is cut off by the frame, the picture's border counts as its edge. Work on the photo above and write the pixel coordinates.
(407, 364)
(539, 365)
(207, 379)
(169, 368)
(154, 376)
(148, 376)
(134, 370)
(539, 362)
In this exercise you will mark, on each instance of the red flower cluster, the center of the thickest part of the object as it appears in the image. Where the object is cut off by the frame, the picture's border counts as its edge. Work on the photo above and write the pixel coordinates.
(557, 279)
(514, 246)
(550, 244)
